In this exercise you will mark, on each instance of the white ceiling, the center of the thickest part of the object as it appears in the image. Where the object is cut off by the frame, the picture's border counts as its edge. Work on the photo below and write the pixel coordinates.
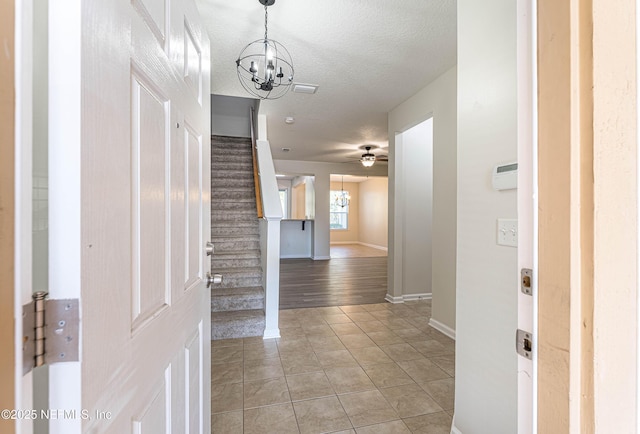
(366, 56)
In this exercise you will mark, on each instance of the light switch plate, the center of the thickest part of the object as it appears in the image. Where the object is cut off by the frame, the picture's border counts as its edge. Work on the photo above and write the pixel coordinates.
(508, 232)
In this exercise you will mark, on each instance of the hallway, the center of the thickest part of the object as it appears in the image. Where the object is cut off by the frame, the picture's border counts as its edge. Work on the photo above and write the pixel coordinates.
(371, 368)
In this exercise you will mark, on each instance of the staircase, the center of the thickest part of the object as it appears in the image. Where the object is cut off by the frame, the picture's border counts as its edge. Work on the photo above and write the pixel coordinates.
(237, 305)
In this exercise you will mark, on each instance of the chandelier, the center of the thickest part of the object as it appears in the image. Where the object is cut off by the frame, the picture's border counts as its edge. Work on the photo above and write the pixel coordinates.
(368, 158)
(342, 199)
(264, 66)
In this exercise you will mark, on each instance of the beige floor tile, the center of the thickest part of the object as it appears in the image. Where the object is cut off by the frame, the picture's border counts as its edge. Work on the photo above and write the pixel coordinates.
(401, 352)
(410, 400)
(325, 343)
(227, 423)
(442, 392)
(385, 338)
(336, 359)
(232, 354)
(223, 373)
(262, 350)
(370, 356)
(436, 423)
(329, 310)
(430, 348)
(321, 415)
(262, 369)
(347, 380)
(372, 326)
(309, 321)
(354, 308)
(360, 316)
(293, 346)
(411, 334)
(266, 392)
(446, 363)
(393, 427)
(308, 386)
(274, 419)
(367, 408)
(339, 318)
(375, 307)
(288, 323)
(355, 341)
(226, 397)
(395, 323)
(423, 370)
(345, 328)
(300, 363)
(287, 314)
(291, 333)
(318, 330)
(383, 314)
(254, 340)
(387, 375)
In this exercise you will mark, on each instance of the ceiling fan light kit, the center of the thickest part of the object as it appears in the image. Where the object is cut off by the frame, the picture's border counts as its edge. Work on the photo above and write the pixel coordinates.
(264, 66)
(368, 158)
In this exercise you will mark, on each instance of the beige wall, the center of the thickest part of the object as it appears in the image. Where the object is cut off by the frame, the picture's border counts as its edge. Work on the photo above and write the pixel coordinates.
(487, 274)
(7, 118)
(588, 318)
(373, 208)
(351, 235)
(437, 100)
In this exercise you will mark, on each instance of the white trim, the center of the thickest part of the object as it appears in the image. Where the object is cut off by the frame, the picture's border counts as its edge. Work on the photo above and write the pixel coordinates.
(414, 297)
(395, 300)
(373, 246)
(271, 334)
(454, 430)
(442, 328)
(321, 258)
(407, 297)
(295, 256)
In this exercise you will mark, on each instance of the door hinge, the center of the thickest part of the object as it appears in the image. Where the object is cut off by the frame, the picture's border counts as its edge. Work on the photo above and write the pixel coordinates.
(50, 331)
(524, 344)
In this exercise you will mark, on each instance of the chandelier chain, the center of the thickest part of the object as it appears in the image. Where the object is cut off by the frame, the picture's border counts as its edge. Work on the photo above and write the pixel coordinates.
(265, 21)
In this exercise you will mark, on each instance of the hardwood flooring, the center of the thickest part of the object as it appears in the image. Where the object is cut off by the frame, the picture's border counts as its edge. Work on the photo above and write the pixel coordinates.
(336, 282)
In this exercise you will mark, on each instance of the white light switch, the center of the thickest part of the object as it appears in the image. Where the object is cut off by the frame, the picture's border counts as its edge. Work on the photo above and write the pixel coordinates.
(508, 232)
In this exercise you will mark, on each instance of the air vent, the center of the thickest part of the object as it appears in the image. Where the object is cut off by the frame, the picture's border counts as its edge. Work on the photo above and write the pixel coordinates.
(305, 88)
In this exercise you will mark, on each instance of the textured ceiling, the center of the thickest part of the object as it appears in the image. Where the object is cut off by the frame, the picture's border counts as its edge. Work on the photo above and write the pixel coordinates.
(366, 56)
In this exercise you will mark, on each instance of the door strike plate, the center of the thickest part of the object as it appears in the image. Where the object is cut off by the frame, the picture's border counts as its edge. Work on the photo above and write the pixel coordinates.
(526, 281)
(524, 344)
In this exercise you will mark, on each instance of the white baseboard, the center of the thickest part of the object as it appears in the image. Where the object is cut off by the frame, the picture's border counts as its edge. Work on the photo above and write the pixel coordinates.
(295, 256)
(454, 430)
(374, 246)
(271, 334)
(413, 297)
(442, 328)
(408, 297)
(391, 299)
(321, 258)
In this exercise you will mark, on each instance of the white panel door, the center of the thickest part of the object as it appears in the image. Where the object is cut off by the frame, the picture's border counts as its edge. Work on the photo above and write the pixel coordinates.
(129, 214)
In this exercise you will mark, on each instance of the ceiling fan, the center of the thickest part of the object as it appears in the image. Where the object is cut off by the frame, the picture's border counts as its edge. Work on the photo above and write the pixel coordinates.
(368, 158)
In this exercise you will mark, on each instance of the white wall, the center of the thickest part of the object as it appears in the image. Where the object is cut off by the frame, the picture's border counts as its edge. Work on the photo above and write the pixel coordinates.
(487, 280)
(437, 100)
(414, 151)
(373, 209)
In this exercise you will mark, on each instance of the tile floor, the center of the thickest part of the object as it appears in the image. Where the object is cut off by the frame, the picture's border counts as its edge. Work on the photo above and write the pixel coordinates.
(376, 368)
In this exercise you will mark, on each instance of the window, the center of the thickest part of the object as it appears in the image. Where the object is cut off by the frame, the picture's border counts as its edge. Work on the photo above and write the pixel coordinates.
(338, 216)
(283, 203)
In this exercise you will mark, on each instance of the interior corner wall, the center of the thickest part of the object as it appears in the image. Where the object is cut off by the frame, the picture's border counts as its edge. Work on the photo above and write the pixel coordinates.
(437, 100)
(353, 223)
(373, 209)
(230, 115)
(487, 277)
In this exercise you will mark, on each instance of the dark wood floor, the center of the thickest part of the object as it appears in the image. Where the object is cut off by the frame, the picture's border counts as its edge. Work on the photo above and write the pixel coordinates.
(336, 282)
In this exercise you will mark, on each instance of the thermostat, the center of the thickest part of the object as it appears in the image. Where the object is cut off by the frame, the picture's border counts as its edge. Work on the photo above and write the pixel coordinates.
(505, 176)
